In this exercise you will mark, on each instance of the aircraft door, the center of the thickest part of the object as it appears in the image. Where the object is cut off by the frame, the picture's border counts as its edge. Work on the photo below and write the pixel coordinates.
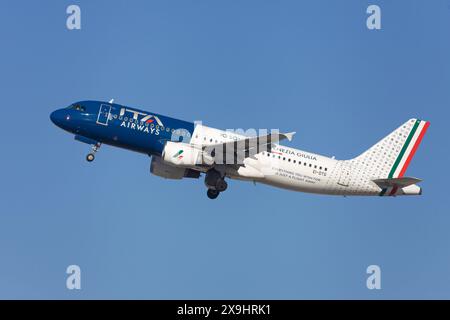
(103, 114)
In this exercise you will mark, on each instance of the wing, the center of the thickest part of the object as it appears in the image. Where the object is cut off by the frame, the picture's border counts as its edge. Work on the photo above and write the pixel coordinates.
(235, 152)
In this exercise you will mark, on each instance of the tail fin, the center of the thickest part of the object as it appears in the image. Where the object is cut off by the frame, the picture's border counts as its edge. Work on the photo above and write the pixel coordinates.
(390, 157)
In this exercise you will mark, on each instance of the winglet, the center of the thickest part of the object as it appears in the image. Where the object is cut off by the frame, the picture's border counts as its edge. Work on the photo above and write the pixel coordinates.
(111, 101)
(289, 135)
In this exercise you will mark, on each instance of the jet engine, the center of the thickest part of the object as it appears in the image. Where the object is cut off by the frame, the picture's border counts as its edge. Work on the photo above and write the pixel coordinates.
(184, 155)
(161, 169)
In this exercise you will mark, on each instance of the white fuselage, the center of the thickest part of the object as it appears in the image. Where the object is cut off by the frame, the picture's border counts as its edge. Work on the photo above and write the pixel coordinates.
(286, 167)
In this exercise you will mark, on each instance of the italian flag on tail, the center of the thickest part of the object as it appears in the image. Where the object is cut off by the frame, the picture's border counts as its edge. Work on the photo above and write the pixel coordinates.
(406, 154)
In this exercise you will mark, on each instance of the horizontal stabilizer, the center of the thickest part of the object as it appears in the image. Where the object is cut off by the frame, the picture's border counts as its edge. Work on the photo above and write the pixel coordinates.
(396, 182)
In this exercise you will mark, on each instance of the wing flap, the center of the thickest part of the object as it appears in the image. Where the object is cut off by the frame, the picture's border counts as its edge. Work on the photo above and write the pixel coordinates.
(253, 142)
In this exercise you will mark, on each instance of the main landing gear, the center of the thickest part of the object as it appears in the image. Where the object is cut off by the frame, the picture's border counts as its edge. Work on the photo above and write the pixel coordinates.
(215, 182)
(212, 194)
(91, 156)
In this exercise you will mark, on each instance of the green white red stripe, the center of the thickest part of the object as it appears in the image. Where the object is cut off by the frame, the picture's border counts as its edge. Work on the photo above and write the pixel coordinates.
(406, 153)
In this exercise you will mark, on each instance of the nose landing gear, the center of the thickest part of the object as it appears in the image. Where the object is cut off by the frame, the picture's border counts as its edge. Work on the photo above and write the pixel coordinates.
(91, 156)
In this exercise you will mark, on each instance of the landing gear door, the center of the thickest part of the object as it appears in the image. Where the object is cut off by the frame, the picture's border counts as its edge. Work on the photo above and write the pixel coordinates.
(103, 114)
(344, 178)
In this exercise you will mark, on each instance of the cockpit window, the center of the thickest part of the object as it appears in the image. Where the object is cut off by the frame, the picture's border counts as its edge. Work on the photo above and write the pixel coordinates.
(77, 107)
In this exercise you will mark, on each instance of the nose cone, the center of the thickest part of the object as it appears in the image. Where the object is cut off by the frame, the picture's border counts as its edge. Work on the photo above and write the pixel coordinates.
(54, 117)
(58, 117)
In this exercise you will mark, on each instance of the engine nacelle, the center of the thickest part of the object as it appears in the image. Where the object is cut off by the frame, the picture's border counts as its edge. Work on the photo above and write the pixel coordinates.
(184, 155)
(161, 169)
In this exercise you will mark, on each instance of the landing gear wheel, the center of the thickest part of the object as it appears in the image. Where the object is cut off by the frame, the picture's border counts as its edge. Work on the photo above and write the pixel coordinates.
(212, 194)
(221, 185)
(90, 157)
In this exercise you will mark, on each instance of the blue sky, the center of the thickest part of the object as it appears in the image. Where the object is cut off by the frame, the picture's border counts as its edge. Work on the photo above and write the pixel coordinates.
(306, 66)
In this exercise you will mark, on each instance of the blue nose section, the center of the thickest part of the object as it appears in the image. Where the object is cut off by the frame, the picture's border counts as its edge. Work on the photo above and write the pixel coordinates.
(58, 117)
(54, 117)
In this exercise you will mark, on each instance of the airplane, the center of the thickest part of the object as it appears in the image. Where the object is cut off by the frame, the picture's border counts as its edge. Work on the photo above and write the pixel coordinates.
(182, 149)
